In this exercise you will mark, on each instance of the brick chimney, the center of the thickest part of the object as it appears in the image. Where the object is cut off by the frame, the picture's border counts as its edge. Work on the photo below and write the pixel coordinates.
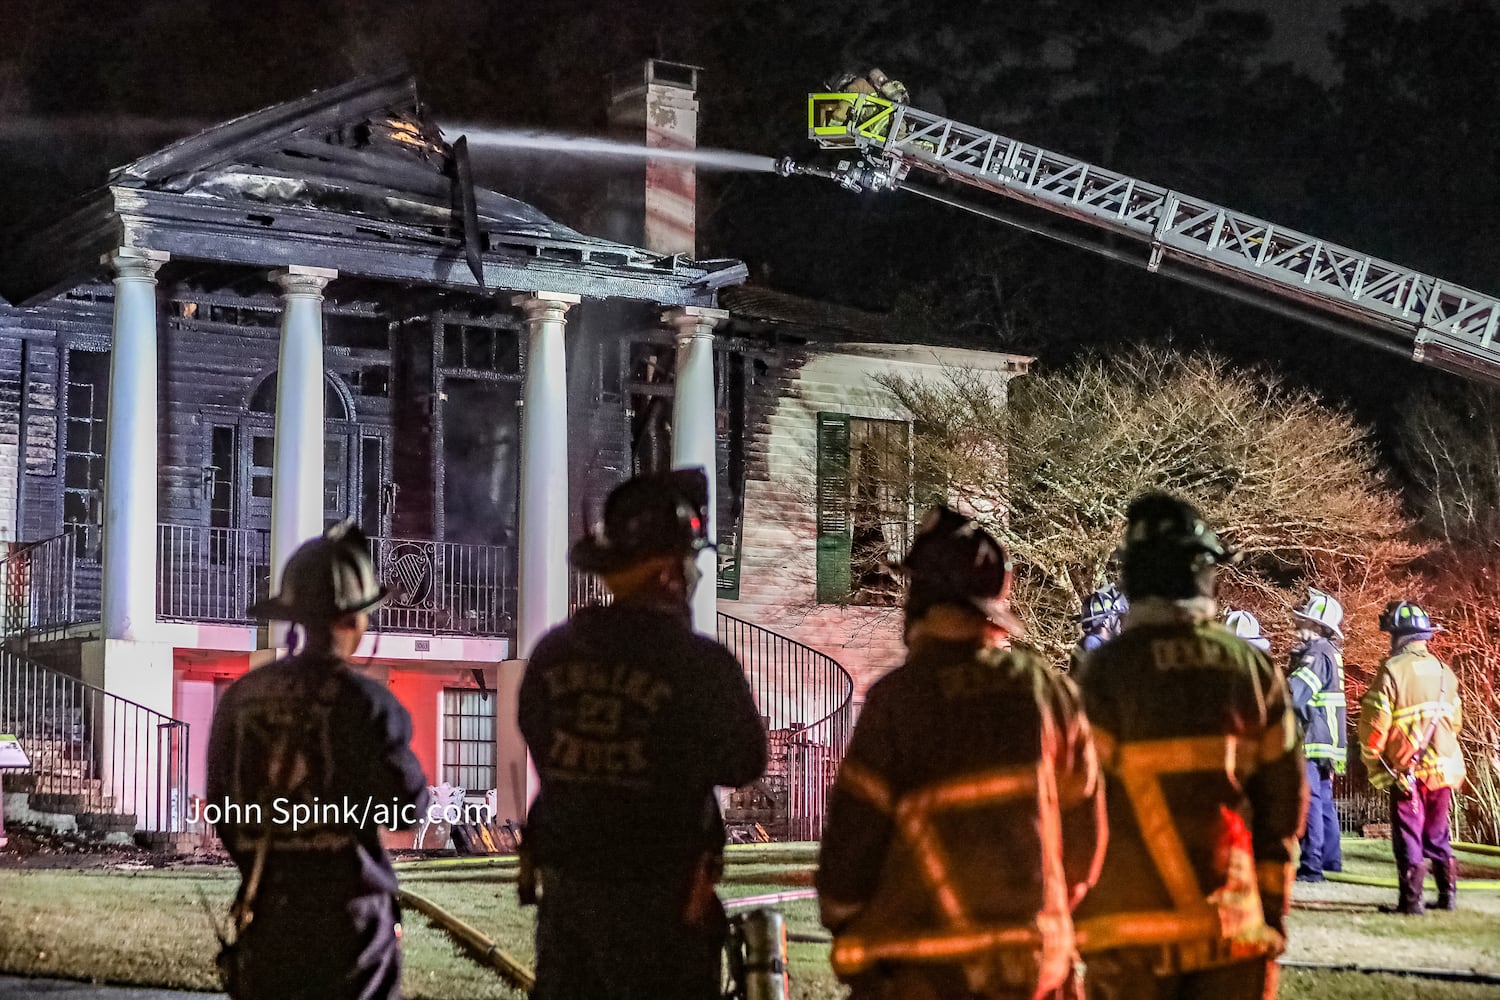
(656, 207)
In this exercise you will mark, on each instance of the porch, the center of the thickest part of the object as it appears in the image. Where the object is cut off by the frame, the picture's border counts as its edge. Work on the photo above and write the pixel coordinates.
(211, 575)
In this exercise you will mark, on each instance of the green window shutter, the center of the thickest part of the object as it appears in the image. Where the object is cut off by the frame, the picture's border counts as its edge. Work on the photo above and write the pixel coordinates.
(834, 530)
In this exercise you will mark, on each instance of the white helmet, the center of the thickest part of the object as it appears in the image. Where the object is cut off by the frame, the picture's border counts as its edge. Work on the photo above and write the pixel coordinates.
(1244, 625)
(1322, 609)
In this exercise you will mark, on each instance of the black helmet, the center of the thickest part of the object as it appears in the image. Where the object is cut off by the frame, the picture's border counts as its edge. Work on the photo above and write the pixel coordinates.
(326, 578)
(953, 560)
(1169, 550)
(1407, 618)
(647, 516)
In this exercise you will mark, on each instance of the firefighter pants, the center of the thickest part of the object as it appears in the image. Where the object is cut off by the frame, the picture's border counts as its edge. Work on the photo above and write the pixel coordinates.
(1130, 975)
(1419, 826)
(612, 939)
(1321, 851)
(301, 947)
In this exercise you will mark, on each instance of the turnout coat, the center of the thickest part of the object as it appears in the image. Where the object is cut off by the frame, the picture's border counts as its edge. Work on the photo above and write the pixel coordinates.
(1204, 776)
(966, 821)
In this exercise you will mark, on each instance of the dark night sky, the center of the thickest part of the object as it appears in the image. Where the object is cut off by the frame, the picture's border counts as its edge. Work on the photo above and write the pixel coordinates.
(1365, 175)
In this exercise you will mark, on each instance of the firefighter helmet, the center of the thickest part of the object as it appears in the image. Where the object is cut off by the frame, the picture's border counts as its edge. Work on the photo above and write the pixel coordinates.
(1323, 611)
(953, 560)
(658, 515)
(1247, 627)
(1100, 608)
(326, 578)
(1407, 618)
(1170, 551)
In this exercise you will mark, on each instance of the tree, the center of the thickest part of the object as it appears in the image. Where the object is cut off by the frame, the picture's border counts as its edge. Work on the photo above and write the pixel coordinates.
(1290, 483)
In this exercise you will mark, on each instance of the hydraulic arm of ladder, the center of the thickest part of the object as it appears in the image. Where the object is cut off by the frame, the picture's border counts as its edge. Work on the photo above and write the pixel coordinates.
(1444, 324)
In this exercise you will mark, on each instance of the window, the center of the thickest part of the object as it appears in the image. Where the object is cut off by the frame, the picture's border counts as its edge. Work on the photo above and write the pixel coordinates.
(864, 508)
(83, 455)
(651, 386)
(469, 739)
(481, 348)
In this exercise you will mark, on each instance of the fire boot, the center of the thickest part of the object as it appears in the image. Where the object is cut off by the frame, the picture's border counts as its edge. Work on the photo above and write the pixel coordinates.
(1411, 890)
(1446, 874)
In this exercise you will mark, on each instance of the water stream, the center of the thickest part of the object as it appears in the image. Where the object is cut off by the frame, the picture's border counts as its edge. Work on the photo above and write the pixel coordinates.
(585, 146)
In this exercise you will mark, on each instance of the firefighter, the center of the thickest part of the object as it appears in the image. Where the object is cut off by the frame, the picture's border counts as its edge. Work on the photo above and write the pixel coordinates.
(873, 83)
(316, 911)
(949, 867)
(1316, 676)
(1247, 627)
(633, 719)
(1409, 723)
(1203, 779)
(1100, 621)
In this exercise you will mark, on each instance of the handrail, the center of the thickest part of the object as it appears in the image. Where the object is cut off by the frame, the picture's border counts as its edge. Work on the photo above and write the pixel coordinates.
(116, 764)
(38, 581)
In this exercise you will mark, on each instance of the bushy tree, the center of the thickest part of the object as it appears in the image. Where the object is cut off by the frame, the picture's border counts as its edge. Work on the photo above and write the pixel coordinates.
(1289, 482)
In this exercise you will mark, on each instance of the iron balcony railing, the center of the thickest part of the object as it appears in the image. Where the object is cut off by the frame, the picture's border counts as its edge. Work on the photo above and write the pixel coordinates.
(51, 584)
(806, 700)
(213, 575)
(116, 765)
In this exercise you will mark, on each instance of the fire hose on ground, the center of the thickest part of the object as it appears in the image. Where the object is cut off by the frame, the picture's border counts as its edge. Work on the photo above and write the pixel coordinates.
(759, 937)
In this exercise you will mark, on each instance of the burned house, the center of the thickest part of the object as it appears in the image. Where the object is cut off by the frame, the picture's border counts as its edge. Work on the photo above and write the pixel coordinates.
(313, 313)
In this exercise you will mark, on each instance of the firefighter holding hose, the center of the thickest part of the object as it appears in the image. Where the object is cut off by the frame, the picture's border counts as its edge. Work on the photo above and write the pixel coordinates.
(950, 866)
(1203, 768)
(633, 719)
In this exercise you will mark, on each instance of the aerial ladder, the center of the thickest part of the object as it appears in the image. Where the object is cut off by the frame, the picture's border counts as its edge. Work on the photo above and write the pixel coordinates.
(891, 145)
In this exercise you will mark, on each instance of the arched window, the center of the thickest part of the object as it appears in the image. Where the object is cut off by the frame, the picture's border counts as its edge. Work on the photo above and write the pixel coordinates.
(335, 405)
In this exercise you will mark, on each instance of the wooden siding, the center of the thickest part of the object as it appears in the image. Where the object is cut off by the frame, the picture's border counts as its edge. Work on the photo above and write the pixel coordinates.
(778, 576)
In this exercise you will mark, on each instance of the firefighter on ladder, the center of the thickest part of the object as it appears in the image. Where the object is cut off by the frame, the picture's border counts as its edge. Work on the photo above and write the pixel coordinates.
(1204, 781)
(633, 719)
(1317, 684)
(1409, 723)
(950, 866)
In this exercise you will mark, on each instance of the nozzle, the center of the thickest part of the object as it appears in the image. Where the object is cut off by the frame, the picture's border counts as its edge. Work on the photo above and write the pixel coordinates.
(849, 174)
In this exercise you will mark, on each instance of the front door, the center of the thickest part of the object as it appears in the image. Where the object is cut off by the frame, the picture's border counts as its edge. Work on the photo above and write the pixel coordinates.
(355, 469)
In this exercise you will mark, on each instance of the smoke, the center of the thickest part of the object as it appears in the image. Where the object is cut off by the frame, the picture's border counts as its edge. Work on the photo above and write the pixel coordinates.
(587, 147)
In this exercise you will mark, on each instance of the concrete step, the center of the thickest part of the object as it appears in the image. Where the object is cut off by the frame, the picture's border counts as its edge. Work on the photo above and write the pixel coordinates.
(72, 802)
(106, 822)
(168, 843)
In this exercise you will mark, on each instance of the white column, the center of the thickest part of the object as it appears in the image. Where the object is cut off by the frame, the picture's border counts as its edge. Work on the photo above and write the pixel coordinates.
(130, 467)
(695, 436)
(297, 465)
(543, 563)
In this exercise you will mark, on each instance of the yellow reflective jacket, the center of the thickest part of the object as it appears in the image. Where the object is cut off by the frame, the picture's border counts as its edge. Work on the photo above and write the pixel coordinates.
(1412, 689)
(966, 821)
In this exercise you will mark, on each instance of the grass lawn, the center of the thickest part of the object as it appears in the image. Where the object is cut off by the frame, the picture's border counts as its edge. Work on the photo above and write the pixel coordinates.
(147, 927)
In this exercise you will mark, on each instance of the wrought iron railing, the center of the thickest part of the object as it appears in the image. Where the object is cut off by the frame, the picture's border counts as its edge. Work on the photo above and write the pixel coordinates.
(51, 584)
(210, 574)
(214, 574)
(116, 765)
(806, 698)
(446, 587)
